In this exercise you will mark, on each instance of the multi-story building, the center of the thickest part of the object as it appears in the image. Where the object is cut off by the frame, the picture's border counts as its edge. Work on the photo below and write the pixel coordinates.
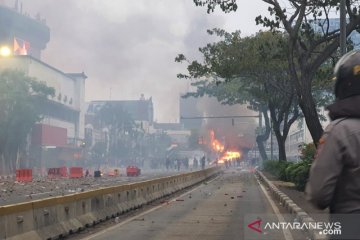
(188, 108)
(298, 135)
(22, 34)
(58, 137)
(141, 111)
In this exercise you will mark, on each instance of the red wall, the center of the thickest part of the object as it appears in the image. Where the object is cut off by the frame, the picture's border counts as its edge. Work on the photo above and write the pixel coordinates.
(46, 135)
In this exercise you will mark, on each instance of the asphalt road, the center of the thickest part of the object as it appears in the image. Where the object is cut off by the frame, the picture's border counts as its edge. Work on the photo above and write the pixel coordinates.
(219, 209)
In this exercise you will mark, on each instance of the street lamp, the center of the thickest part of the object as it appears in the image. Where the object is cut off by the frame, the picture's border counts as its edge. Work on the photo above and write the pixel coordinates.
(5, 51)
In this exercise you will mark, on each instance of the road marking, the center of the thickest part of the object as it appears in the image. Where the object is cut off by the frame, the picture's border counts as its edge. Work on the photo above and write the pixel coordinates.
(144, 213)
(286, 232)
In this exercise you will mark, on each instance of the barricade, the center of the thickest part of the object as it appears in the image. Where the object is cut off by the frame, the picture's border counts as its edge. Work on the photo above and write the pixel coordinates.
(54, 173)
(24, 175)
(76, 172)
(113, 173)
(132, 171)
(56, 217)
(63, 172)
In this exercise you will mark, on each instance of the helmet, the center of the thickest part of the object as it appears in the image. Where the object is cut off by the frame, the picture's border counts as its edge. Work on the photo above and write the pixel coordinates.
(347, 75)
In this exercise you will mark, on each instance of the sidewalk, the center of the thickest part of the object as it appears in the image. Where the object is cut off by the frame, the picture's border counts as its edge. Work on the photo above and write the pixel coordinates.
(299, 198)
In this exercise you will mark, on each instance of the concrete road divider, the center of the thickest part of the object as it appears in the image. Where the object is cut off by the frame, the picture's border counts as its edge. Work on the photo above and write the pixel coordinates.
(290, 206)
(56, 217)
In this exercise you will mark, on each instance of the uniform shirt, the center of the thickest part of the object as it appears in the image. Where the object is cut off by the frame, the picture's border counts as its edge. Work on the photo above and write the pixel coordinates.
(334, 179)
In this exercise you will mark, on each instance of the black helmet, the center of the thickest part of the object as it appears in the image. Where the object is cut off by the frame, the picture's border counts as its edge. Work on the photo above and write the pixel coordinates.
(347, 75)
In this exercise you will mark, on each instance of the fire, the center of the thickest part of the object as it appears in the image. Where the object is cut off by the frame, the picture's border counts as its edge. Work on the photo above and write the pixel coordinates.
(218, 147)
(216, 144)
(230, 156)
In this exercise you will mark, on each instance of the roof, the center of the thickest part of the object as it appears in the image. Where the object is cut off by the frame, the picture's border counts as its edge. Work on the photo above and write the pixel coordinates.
(23, 26)
(72, 76)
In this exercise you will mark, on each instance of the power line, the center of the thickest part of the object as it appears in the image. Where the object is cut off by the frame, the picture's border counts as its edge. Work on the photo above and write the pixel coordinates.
(237, 116)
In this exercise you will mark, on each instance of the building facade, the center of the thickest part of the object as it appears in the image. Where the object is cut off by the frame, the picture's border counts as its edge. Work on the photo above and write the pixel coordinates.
(56, 140)
(22, 34)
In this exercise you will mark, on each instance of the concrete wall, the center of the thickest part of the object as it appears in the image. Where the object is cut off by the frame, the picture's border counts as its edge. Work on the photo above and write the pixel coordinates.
(52, 218)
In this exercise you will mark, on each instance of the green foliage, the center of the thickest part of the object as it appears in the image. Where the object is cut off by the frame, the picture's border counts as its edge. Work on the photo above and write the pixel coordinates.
(121, 128)
(277, 168)
(307, 152)
(298, 173)
(309, 51)
(225, 5)
(20, 101)
(247, 70)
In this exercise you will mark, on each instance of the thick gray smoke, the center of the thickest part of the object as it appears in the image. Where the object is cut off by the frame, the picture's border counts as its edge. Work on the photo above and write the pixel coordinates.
(235, 134)
(126, 46)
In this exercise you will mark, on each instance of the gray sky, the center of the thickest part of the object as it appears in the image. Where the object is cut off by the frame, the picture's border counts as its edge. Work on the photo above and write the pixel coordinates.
(130, 46)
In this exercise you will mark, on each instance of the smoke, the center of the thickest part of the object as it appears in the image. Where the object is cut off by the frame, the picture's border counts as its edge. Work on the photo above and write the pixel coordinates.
(126, 46)
(235, 133)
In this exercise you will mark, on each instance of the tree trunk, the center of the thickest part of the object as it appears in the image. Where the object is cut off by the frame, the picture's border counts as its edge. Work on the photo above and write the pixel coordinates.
(308, 107)
(260, 139)
(281, 145)
(262, 150)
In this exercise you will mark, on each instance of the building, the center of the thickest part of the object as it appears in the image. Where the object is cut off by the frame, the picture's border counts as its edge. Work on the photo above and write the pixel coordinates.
(299, 135)
(62, 127)
(22, 34)
(141, 111)
(57, 139)
(320, 26)
(188, 108)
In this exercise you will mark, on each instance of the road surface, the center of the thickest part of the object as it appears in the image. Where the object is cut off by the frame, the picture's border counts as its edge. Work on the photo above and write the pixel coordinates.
(219, 209)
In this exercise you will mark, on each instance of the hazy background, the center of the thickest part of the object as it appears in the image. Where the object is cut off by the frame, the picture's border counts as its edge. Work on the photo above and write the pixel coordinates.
(129, 46)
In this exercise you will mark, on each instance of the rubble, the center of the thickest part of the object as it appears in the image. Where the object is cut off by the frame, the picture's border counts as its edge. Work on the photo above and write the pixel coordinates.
(12, 192)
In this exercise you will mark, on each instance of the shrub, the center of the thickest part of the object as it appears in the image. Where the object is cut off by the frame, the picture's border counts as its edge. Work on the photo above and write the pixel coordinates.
(282, 170)
(308, 151)
(297, 173)
(276, 168)
(288, 171)
(301, 176)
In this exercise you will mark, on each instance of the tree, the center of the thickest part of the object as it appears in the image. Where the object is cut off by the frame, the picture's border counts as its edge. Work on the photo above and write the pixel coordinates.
(20, 98)
(121, 129)
(249, 70)
(307, 50)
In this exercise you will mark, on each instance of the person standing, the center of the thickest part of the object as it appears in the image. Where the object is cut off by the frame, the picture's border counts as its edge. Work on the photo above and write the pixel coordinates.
(334, 180)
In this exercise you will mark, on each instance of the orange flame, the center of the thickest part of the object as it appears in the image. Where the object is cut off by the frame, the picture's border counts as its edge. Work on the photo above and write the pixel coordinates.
(230, 156)
(216, 144)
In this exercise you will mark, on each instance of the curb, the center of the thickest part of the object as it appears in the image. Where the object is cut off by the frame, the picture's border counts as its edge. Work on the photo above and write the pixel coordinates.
(290, 206)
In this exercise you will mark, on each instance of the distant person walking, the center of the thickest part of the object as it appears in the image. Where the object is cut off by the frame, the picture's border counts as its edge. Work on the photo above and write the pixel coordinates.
(203, 162)
(196, 163)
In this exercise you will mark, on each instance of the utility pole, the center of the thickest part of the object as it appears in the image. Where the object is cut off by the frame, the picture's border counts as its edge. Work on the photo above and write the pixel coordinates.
(342, 27)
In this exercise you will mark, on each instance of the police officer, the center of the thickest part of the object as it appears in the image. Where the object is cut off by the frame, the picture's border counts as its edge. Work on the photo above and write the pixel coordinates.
(334, 180)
